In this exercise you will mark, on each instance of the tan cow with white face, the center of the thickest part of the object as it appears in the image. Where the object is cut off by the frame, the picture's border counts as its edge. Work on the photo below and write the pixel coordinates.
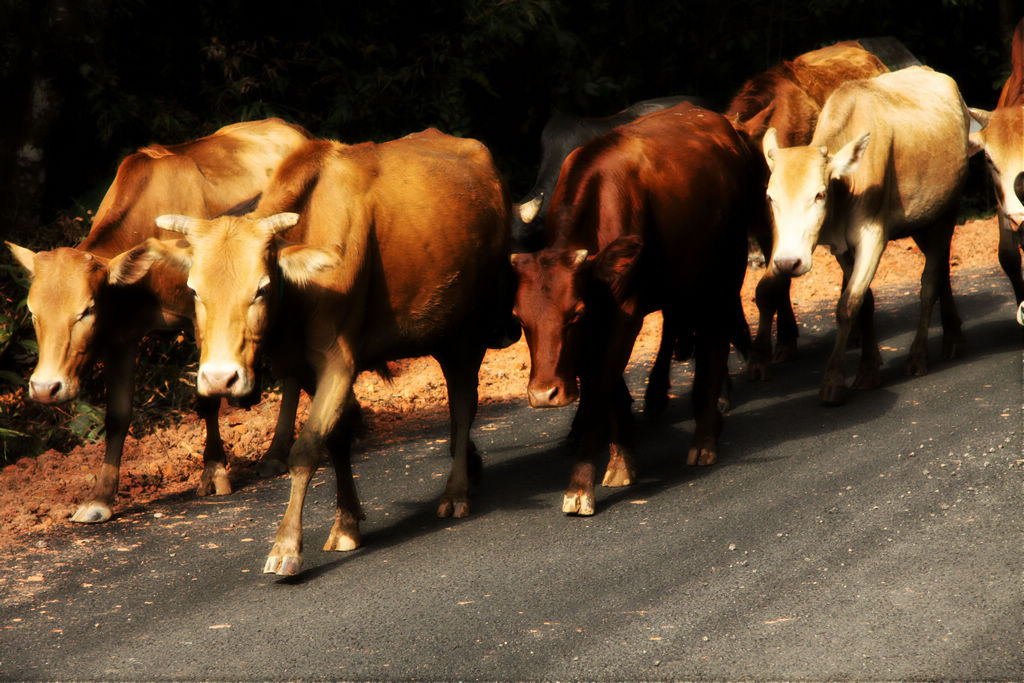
(83, 310)
(887, 160)
(398, 249)
(1002, 139)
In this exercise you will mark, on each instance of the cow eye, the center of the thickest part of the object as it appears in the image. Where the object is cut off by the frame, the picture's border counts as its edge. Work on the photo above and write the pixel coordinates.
(262, 293)
(577, 313)
(820, 197)
(193, 294)
(87, 311)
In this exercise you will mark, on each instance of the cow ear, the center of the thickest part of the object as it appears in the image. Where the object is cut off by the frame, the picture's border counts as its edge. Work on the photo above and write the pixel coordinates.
(770, 145)
(616, 263)
(847, 159)
(26, 257)
(300, 264)
(130, 266)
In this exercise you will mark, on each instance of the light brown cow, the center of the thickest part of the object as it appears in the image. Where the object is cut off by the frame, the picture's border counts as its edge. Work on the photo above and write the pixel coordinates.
(400, 249)
(788, 98)
(81, 311)
(1002, 138)
(888, 159)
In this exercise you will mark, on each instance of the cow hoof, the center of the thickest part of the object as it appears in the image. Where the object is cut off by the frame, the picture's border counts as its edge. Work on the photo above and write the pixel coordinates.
(954, 348)
(917, 368)
(214, 481)
(785, 352)
(453, 508)
(833, 394)
(655, 402)
(758, 371)
(92, 512)
(578, 503)
(283, 566)
(342, 542)
(701, 456)
(617, 475)
(271, 467)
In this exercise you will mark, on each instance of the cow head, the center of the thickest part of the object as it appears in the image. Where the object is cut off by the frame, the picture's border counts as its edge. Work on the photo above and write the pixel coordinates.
(236, 268)
(798, 192)
(555, 287)
(67, 290)
(1001, 140)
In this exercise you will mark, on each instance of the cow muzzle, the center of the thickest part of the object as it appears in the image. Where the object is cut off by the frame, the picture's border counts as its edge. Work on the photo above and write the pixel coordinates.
(553, 395)
(53, 389)
(223, 379)
(791, 267)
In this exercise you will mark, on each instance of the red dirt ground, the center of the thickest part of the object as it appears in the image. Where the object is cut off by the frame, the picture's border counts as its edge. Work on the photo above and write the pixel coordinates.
(39, 494)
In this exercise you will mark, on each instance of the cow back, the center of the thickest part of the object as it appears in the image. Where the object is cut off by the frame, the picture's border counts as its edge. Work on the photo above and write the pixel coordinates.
(422, 224)
(917, 156)
(1012, 93)
(202, 178)
(682, 179)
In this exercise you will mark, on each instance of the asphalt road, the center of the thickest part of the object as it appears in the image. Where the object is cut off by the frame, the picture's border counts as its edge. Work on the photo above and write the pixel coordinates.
(880, 540)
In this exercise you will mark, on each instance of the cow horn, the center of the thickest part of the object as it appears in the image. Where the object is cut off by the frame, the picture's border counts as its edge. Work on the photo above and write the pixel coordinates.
(176, 223)
(529, 210)
(279, 222)
(980, 115)
(579, 257)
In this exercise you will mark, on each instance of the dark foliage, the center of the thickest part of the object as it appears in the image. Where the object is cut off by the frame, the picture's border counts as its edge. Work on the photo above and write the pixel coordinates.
(88, 81)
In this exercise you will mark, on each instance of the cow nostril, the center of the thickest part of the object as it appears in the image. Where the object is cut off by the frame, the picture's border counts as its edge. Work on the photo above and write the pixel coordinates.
(45, 390)
(232, 378)
(553, 393)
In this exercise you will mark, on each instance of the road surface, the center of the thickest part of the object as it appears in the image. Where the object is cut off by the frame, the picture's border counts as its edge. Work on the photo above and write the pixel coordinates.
(880, 540)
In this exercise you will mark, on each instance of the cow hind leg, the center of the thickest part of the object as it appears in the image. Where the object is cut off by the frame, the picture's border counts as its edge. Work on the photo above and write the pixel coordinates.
(710, 373)
(656, 394)
(935, 284)
(461, 369)
(118, 375)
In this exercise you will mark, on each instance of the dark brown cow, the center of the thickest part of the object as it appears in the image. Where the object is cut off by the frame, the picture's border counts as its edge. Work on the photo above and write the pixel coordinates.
(1001, 138)
(788, 98)
(81, 311)
(652, 215)
(399, 250)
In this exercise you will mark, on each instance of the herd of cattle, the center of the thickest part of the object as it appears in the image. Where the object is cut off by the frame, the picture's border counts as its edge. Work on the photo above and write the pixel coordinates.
(327, 259)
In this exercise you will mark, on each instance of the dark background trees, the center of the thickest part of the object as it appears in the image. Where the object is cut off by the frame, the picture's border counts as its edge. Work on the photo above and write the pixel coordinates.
(88, 81)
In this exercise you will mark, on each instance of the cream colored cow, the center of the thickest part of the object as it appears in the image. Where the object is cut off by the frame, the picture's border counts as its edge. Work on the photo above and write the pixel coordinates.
(888, 160)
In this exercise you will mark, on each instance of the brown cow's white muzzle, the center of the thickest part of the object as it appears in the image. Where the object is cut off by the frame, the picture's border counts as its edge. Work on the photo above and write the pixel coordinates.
(53, 389)
(222, 379)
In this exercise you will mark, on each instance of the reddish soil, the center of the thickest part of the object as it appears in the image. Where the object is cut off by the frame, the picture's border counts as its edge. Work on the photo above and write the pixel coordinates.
(39, 494)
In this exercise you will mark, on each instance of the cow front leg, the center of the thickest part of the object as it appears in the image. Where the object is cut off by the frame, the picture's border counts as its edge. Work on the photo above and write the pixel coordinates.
(214, 479)
(621, 470)
(1009, 257)
(345, 531)
(461, 368)
(275, 460)
(858, 271)
(119, 377)
(325, 413)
